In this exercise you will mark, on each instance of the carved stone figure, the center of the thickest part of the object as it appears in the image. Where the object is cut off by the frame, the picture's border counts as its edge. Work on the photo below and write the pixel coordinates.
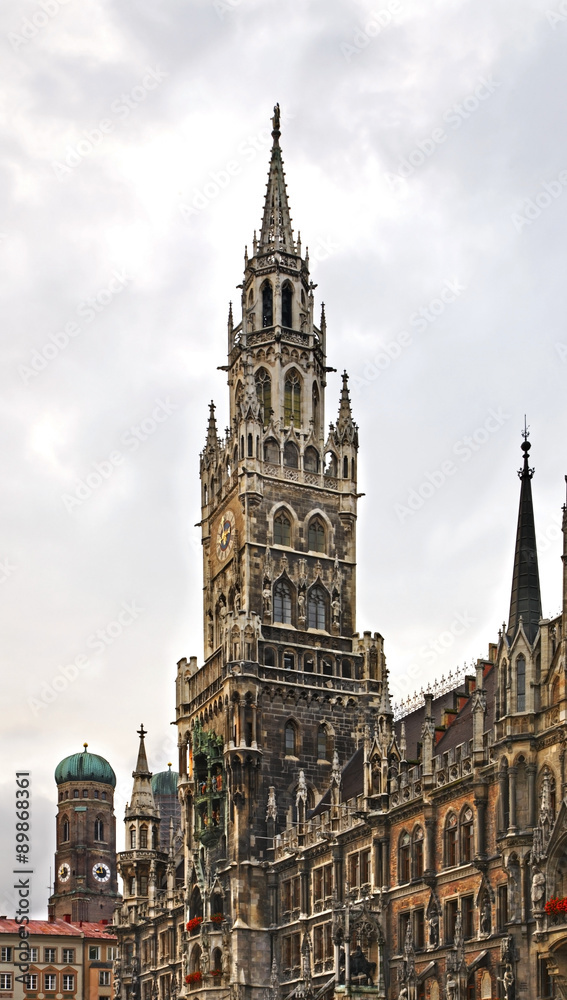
(267, 598)
(486, 916)
(508, 983)
(538, 888)
(434, 929)
(451, 986)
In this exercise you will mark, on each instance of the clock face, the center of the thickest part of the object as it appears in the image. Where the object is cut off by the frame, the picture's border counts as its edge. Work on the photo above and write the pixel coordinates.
(101, 872)
(63, 872)
(225, 535)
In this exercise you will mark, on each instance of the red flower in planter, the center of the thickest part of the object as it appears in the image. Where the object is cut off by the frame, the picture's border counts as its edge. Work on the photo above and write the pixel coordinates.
(194, 977)
(556, 906)
(217, 918)
(194, 923)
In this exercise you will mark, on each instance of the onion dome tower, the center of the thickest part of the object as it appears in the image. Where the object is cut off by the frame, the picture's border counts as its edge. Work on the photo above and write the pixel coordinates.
(86, 885)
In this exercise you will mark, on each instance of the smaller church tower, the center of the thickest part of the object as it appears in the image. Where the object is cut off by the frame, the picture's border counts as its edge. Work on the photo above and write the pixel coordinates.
(86, 886)
(142, 865)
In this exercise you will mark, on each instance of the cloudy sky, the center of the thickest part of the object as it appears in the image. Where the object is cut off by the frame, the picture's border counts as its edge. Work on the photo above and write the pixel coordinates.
(426, 158)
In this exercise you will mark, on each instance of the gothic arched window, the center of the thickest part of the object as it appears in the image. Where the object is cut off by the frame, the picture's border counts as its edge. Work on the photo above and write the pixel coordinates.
(98, 830)
(287, 298)
(132, 838)
(290, 739)
(404, 857)
(417, 852)
(451, 841)
(291, 455)
(264, 391)
(317, 608)
(282, 529)
(467, 835)
(331, 464)
(323, 749)
(316, 535)
(143, 836)
(282, 602)
(311, 459)
(521, 684)
(292, 399)
(271, 451)
(267, 304)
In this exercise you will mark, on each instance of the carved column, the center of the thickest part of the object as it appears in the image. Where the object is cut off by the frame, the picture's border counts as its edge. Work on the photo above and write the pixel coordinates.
(480, 826)
(429, 844)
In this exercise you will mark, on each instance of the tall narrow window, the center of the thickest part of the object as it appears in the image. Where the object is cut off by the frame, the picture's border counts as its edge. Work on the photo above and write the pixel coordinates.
(521, 684)
(98, 830)
(315, 407)
(267, 304)
(264, 391)
(282, 602)
(132, 838)
(311, 459)
(282, 529)
(143, 836)
(316, 608)
(418, 852)
(404, 858)
(467, 836)
(65, 829)
(271, 452)
(322, 751)
(290, 738)
(291, 455)
(292, 400)
(287, 296)
(316, 536)
(451, 832)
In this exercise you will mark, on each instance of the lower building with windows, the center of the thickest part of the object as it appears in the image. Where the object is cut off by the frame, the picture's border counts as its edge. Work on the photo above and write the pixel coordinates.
(66, 961)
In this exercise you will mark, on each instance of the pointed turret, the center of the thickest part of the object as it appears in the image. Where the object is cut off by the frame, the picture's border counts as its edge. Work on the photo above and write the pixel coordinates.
(345, 411)
(525, 602)
(212, 433)
(142, 802)
(276, 229)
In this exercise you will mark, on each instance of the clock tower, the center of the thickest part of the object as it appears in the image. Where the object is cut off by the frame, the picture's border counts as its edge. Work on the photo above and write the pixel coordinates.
(288, 686)
(85, 884)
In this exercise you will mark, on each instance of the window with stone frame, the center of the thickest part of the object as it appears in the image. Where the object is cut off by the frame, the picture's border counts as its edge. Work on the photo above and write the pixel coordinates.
(316, 535)
(467, 835)
(292, 399)
(403, 921)
(404, 857)
(282, 529)
(291, 952)
(264, 393)
(317, 608)
(282, 602)
(521, 683)
(451, 840)
(467, 916)
(419, 929)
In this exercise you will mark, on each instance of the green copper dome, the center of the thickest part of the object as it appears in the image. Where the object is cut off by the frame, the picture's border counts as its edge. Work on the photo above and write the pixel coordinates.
(85, 767)
(165, 782)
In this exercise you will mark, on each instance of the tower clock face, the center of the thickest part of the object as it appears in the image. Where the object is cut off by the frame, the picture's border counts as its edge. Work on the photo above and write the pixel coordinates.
(225, 535)
(101, 872)
(63, 872)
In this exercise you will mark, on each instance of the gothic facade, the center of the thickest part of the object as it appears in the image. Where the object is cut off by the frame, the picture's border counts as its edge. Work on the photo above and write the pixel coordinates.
(325, 846)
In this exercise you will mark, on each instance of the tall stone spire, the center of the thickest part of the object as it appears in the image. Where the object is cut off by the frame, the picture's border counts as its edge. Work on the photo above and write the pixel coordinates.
(276, 232)
(525, 602)
(142, 802)
(345, 422)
